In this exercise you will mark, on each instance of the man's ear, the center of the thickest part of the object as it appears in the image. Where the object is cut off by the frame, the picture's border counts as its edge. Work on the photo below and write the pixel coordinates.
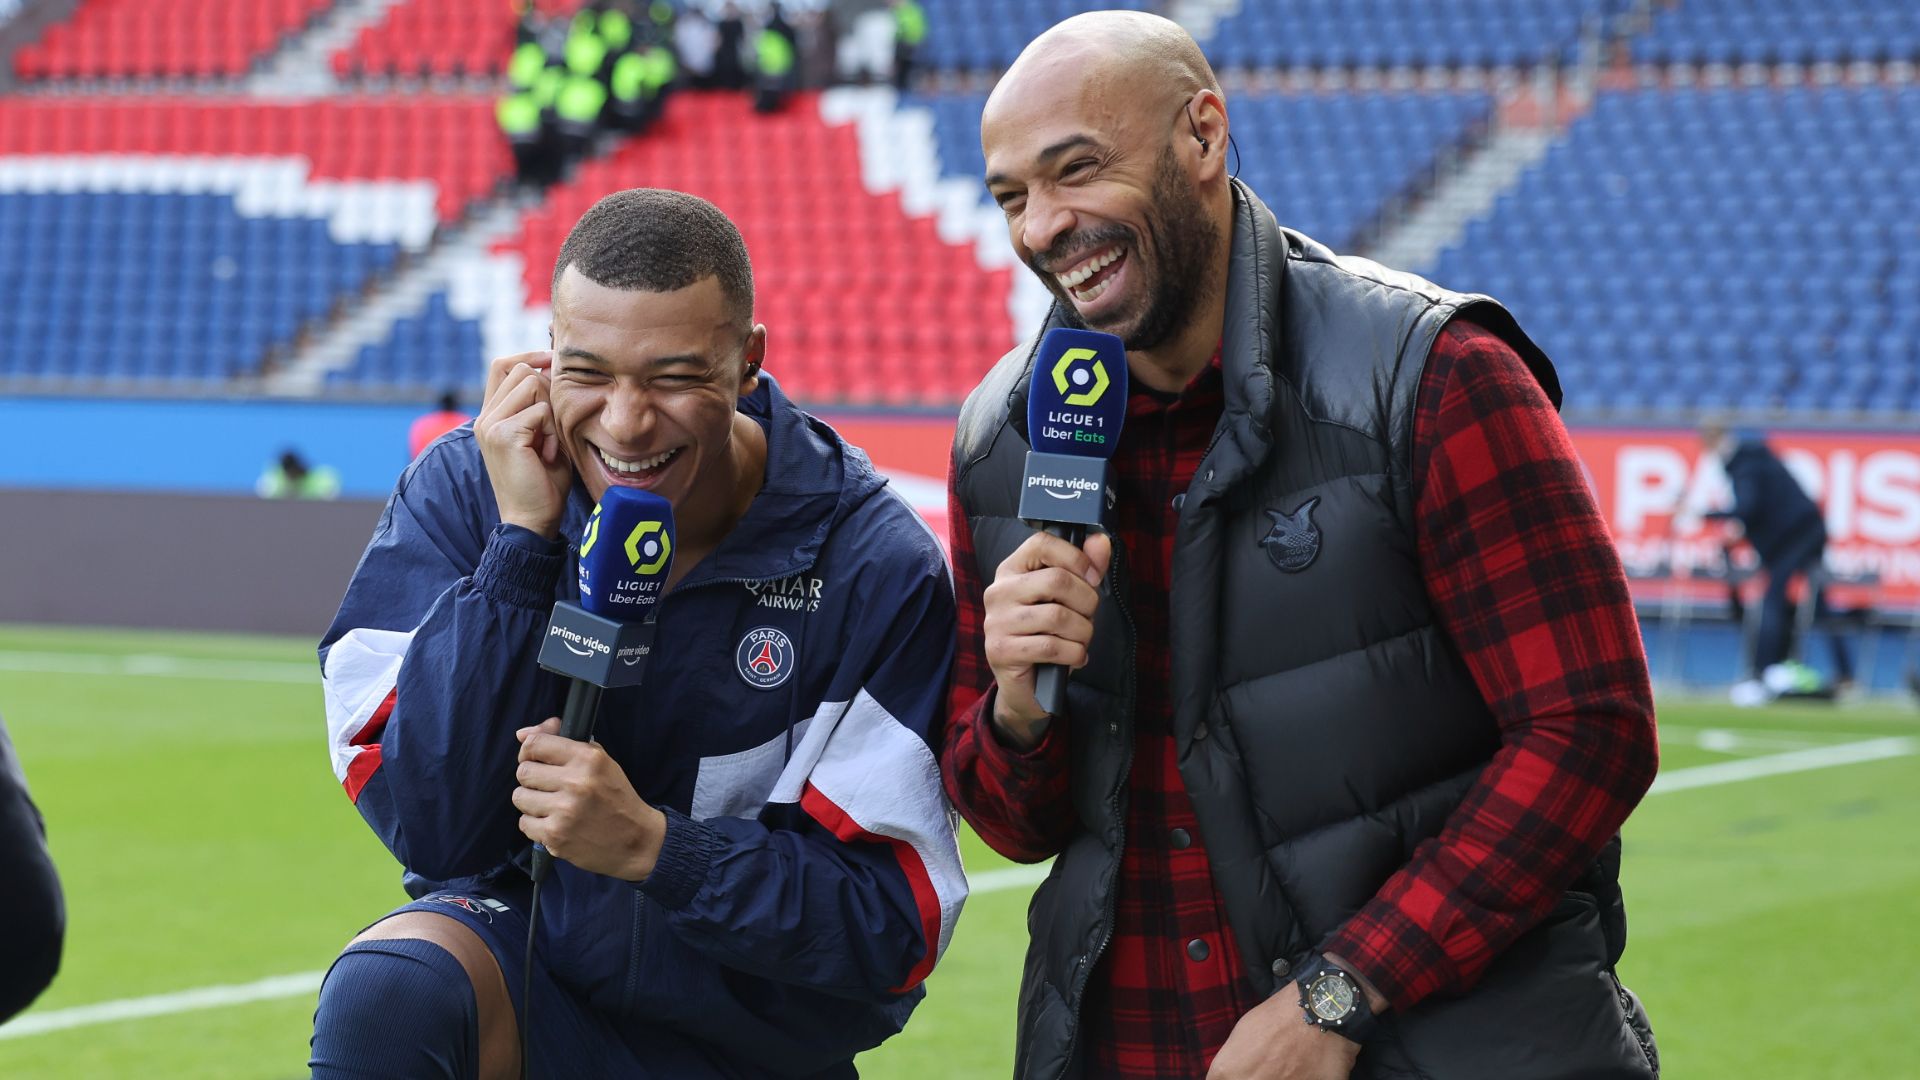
(752, 355)
(1207, 114)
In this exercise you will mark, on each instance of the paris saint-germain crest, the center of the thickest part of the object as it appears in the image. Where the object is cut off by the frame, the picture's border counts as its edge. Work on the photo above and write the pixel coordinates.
(765, 658)
(1294, 540)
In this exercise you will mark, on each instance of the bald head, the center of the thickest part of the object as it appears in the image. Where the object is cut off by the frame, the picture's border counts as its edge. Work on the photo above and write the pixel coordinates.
(1154, 59)
(1105, 148)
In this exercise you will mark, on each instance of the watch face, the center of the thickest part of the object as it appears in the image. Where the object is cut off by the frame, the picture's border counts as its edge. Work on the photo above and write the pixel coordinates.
(1330, 997)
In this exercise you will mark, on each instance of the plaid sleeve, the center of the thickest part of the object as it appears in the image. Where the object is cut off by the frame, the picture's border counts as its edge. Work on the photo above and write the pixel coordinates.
(1524, 577)
(1016, 800)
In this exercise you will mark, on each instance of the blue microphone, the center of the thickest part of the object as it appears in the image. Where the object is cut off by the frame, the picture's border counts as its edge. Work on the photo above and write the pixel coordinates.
(605, 639)
(1075, 404)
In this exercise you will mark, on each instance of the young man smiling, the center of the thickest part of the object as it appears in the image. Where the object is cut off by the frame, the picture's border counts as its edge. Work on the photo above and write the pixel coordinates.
(756, 867)
(1360, 703)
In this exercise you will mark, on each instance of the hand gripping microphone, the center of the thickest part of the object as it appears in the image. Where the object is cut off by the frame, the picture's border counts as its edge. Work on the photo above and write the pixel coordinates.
(605, 639)
(1075, 404)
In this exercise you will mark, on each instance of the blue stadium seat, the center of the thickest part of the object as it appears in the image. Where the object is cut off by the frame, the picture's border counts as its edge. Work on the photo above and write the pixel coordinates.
(1322, 33)
(168, 286)
(1365, 148)
(1835, 31)
(1678, 227)
(421, 355)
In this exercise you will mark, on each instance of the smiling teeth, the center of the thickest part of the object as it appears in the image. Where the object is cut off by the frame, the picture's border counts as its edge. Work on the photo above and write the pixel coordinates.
(644, 464)
(1088, 269)
(1088, 296)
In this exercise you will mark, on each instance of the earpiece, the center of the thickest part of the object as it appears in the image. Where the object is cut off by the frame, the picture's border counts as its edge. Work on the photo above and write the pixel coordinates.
(1195, 128)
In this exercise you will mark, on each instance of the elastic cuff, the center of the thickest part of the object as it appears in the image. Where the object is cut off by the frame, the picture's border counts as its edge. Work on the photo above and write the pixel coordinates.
(519, 567)
(1022, 761)
(686, 855)
(1394, 953)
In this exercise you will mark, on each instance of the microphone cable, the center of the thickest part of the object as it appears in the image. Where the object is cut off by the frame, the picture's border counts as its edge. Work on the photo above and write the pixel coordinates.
(526, 982)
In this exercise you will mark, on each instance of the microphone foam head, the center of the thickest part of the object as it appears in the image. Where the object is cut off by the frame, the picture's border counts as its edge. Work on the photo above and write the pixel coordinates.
(626, 553)
(1078, 396)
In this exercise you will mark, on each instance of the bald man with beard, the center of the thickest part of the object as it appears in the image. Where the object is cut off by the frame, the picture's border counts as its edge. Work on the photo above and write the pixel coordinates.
(1358, 702)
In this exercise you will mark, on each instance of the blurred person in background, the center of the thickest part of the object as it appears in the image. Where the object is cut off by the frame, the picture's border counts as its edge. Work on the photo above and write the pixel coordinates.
(1360, 703)
(775, 55)
(819, 43)
(581, 101)
(909, 31)
(31, 907)
(291, 476)
(729, 49)
(525, 113)
(696, 41)
(446, 415)
(643, 75)
(1788, 533)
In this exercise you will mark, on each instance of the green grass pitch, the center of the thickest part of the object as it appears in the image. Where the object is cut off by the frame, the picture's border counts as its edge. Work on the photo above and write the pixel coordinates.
(204, 843)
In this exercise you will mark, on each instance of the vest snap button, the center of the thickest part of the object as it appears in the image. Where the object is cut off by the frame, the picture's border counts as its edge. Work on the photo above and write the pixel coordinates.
(1197, 949)
(1199, 731)
(1179, 501)
(1182, 839)
(1282, 969)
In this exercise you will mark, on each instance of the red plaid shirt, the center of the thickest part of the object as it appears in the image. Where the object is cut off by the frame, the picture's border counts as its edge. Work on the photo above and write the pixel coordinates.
(1523, 577)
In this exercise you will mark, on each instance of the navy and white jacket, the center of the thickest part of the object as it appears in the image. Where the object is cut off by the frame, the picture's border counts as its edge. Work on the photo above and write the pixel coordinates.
(810, 876)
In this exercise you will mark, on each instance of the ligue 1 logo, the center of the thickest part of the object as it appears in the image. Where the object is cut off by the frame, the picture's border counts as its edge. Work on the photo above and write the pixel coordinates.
(1077, 393)
(1091, 379)
(648, 546)
(650, 542)
(592, 535)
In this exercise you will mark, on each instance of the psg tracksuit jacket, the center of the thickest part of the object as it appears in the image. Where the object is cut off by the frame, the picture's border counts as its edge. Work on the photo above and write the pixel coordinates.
(810, 876)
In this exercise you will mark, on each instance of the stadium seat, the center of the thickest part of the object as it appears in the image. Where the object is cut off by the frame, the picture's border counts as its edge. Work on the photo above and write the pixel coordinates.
(1760, 193)
(419, 38)
(139, 39)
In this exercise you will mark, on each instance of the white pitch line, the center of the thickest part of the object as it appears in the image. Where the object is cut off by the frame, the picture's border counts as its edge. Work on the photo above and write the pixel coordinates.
(1000, 880)
(150, 665)
(1823, 757)
(1008, 877)
(206, 997)
(308, 982)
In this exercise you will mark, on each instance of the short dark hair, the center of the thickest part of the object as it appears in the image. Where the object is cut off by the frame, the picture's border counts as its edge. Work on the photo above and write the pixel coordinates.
(659, 241)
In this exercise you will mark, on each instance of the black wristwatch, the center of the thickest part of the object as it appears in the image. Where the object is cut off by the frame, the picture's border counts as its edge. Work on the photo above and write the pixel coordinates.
(1334, 1001)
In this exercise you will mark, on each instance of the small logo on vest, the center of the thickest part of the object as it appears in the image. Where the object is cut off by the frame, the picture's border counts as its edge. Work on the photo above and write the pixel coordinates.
(483, 906)
(765, 657)
(1294, 540)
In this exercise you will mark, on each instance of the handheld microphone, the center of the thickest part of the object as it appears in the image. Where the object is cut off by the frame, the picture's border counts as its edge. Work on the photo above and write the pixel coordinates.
(1075, 404)
(605, 639)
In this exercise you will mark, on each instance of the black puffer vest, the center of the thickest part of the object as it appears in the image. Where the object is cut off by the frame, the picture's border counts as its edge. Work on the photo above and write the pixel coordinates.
(1324, 725)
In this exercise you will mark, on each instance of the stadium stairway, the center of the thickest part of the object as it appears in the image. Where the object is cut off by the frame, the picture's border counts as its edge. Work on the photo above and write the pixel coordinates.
(448, 352)
(304, 67)
(1202, 18)
(441, 39)
(1702, 199)
(1437, 221)
(907, 310)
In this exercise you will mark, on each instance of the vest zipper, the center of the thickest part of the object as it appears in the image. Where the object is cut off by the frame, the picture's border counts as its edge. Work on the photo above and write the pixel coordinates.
(1113, 803)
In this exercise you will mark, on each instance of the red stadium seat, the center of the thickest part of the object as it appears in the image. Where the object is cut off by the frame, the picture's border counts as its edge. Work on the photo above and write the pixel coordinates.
(451, 142)
(847, 321)
(180, 38)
